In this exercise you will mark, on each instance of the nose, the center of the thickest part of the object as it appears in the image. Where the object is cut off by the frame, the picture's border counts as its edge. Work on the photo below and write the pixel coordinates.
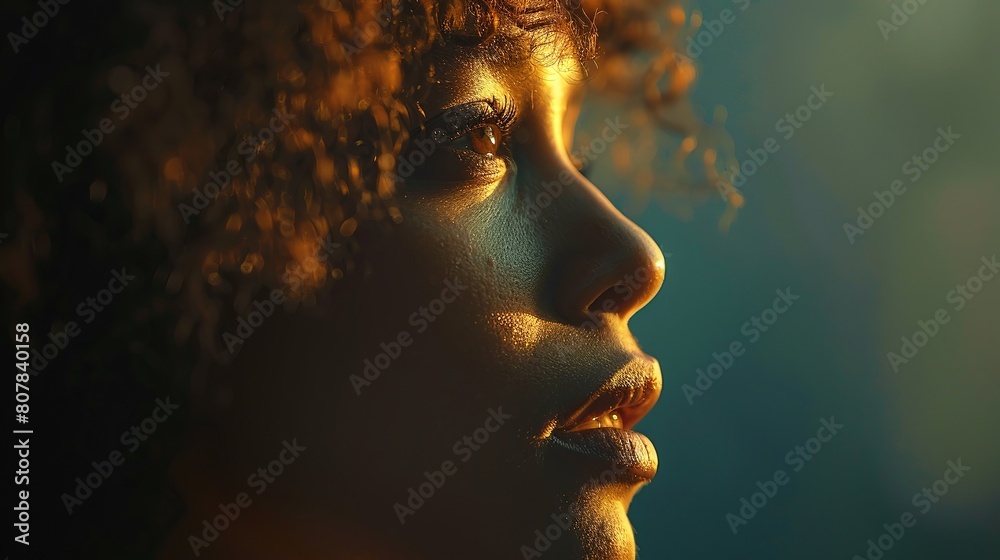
(606, 265)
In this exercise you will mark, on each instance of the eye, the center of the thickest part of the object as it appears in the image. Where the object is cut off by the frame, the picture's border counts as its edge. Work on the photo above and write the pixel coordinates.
(486, 139)
(479, 126)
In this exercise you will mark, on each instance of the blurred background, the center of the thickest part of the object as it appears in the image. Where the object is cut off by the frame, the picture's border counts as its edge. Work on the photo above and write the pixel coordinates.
(894, 85)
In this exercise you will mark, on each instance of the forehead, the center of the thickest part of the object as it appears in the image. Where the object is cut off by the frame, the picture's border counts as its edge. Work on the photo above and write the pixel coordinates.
(514, 63)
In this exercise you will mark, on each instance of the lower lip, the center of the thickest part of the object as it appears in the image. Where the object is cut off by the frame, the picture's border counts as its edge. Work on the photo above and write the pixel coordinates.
(629, 456)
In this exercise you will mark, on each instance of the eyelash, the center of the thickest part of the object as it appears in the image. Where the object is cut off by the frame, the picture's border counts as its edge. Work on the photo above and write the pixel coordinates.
(500, 112)
(503, 115)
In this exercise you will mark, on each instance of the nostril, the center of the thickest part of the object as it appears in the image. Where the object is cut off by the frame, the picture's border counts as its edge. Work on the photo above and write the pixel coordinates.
(608, 268)
(600, 311)
(629, 292)
(609, 301)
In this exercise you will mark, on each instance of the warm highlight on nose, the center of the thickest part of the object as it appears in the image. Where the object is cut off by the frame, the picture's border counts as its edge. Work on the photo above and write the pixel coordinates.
(608, 265)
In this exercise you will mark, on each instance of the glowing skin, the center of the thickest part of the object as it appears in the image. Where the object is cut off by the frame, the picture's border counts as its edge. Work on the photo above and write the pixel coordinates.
(511, 339)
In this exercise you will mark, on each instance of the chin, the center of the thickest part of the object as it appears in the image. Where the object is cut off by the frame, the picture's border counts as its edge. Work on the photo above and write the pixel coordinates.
(590, 523)
(600, 530)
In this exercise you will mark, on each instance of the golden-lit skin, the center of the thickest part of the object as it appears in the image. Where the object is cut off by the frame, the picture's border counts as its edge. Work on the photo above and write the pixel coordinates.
(513, 338)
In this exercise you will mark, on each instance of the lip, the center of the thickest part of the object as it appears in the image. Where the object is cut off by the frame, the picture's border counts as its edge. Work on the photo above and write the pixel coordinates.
(627, 455)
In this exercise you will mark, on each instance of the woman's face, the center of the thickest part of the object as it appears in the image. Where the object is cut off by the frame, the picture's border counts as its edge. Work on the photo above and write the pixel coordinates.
(486, 361)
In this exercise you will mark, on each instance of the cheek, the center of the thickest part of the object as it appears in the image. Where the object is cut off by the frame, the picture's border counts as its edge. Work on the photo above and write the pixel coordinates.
(447, 170)
(419, 314)
(430, 352)
(455, 294)
(517, 332)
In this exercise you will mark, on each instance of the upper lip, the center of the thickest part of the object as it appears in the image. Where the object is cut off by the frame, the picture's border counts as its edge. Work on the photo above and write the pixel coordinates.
(631, 391)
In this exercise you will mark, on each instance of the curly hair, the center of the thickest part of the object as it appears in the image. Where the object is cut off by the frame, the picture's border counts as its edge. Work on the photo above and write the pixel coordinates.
(276, 137)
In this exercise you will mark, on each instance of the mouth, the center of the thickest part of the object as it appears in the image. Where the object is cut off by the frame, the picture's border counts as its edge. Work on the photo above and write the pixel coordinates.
(598, 435)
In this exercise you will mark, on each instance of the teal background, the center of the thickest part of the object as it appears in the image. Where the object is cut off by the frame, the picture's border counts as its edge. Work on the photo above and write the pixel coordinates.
(827, 356)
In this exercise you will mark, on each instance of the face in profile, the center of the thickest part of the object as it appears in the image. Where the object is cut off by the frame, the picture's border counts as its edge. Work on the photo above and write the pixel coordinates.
(473, 394)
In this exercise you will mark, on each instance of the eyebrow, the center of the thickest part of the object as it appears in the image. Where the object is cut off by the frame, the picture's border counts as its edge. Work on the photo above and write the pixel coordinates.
(509, 49)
